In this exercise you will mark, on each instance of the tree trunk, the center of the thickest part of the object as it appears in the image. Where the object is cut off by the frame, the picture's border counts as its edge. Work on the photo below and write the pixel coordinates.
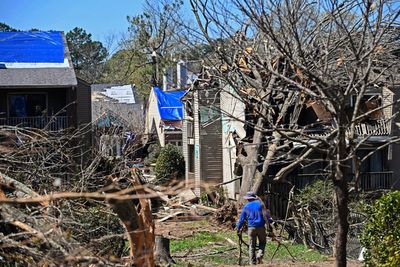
(250, 162)
(342, 199)
(249, 169)
(162, 252)
(272, 148)
(257, 187)
(343, 225)
(139, 226)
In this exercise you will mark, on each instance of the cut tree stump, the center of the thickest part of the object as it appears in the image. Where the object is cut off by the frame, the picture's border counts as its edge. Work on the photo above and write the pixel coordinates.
(162, 252)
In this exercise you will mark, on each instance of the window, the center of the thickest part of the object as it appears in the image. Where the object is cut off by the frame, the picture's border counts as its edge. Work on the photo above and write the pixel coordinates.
(26, 105)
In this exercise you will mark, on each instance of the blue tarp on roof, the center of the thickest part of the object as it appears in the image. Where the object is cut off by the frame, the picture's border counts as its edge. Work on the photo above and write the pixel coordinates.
(169, 104)
(31, 47)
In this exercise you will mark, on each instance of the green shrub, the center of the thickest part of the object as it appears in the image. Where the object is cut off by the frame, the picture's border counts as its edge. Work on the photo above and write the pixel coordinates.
(381, 236)
(154, 152)
(316, 194)
(170, 164)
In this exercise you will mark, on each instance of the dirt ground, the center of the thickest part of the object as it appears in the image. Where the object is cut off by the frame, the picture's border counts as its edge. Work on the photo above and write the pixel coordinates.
(182, 229)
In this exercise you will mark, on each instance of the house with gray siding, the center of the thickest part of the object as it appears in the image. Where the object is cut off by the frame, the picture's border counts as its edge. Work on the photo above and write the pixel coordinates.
(213, 127)
(212, 121)
(38, 85)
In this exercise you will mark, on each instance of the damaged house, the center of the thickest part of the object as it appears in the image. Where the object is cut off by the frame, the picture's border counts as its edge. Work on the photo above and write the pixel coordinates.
(164, 116)
(213, 119)
(38, 86)
(215, 132)
(117, 117)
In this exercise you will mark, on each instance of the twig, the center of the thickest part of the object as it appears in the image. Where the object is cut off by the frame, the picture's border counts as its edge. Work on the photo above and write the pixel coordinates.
(204, 254)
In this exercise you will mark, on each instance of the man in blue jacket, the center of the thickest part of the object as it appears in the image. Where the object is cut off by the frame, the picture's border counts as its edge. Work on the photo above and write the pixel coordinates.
(256, 215)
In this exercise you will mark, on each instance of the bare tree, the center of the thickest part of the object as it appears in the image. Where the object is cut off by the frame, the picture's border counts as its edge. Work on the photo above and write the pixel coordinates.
(282, 56)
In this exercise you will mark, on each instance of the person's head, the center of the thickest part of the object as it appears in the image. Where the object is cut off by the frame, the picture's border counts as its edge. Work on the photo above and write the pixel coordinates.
(250, 196)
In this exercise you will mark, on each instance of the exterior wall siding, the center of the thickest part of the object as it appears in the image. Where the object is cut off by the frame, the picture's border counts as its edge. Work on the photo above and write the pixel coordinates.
(83, 101)
(153, 119)
(197, 146)
(211, 155)
(185, 145)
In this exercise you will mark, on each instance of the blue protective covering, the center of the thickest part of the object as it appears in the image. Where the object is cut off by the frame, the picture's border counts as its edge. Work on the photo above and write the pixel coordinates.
(31, 47)
(169, 104)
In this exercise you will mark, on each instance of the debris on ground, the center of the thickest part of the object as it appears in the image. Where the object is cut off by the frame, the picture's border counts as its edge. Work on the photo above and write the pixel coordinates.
(227, 215)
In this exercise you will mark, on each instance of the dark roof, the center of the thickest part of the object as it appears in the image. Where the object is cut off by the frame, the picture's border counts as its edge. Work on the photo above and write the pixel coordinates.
(46, 77)
(40, 77)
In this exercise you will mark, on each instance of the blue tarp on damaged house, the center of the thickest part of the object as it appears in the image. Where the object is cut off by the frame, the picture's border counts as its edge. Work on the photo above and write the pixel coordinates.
(31, 47)
(169, 104)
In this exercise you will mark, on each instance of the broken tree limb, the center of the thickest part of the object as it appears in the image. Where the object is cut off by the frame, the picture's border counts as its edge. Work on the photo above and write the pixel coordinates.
(281, 175)
(230, 241)
(205, 254)
(76, 195)
(140, 226)
(171, 216)
(129, 217)
(22, 221)
(228, 182)
(205, 208)
(146, 221)
(20, 187)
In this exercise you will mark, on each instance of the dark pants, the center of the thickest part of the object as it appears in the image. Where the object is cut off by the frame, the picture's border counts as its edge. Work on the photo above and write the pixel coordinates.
(254, 234)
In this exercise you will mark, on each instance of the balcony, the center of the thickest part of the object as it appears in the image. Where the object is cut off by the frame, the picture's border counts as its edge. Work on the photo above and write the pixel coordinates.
(50, 123)
(374, 128)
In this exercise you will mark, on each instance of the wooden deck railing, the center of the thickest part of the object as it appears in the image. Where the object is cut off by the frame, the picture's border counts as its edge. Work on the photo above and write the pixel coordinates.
(377, 128)
(372, 128)
(51, 123)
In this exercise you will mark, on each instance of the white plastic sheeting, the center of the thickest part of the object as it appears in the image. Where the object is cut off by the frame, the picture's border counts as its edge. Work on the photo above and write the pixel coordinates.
(123, 94)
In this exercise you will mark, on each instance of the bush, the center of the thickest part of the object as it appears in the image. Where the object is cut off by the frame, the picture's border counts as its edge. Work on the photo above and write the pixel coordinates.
(381, 236)
(154, 152)
(170, 164)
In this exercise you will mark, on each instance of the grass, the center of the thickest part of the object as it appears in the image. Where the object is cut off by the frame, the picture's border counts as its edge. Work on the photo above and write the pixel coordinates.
(199, 240)
(207, 242)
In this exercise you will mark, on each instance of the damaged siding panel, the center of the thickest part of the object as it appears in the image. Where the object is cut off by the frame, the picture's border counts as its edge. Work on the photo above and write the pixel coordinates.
(211, 152)
(387, 100)
(320, 110)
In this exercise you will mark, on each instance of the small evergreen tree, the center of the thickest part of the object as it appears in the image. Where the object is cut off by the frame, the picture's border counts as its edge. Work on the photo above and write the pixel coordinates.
(170, 164)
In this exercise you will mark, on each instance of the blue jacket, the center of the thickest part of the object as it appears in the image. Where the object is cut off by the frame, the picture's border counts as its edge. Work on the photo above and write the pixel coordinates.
(252, 211)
